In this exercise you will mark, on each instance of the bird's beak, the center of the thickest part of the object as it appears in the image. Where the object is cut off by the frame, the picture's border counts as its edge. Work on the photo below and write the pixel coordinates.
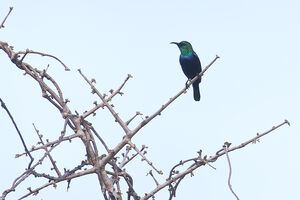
(174, 43)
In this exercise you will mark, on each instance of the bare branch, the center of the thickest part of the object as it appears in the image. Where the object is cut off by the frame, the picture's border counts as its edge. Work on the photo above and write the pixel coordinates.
(144, 157)
(66, 138)
(42, 54)
(126, 159)
(26, 174)
(226, 145)
(2, 24)
(19, 133)
(101, 140)
(253, 140)
(158, 112)
(47, 152)
(151, 174)
(132, 118)
(109, 107)
(118, 91)
(202, 162)
(36, 191)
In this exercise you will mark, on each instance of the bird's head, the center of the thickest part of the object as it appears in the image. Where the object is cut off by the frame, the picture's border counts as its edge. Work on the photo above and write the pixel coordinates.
(185, 48)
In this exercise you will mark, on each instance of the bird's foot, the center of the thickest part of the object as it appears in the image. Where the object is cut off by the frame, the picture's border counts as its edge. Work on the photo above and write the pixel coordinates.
(187, 83)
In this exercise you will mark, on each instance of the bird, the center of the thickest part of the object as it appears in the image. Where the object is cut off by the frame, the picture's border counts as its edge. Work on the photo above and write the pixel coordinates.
(190, 65)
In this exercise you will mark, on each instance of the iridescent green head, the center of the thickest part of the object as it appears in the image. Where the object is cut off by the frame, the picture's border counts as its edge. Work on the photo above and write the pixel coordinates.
(185, 48)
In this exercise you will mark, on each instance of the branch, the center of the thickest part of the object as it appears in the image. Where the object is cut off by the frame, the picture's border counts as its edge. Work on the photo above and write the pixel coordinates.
(36, 191)
(20, 135)
(144, 157)
(26, 174)
(226, 145)
(158, 112)
(109, 107)
(46, 150)
(132, 118)
(253, 140)
(99, 137)
(126, 159)
(204, 161)
(118, 91)
(42, 54)
(151, 174)
(66, 138)
(2, 24)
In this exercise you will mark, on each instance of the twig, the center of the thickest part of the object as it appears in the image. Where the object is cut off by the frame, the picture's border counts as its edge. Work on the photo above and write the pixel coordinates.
(213, 158)
(132, 118)
(151, 174)
(172, 189)
(144, 157)
(36, 191)
(68, 176)
(20, 135)
(42, 54)
(125, 156)
(116, 175)
(230, 170)
(99, 137)
(109, 107)
(126, 159)
(48, 153)
(2, 24)
(118, 91)
(67, 138)
(26, 174)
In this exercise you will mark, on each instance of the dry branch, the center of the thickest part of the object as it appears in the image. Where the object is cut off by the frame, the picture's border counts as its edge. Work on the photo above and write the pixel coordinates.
(4, 20)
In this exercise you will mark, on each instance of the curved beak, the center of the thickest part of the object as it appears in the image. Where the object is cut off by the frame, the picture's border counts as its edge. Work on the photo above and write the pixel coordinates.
(174, 43)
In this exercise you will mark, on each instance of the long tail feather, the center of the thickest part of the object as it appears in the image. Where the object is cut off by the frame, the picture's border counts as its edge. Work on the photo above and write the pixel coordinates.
(196, 91)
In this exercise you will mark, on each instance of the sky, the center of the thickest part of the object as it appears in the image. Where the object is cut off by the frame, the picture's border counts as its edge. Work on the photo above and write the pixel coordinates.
(252, 87)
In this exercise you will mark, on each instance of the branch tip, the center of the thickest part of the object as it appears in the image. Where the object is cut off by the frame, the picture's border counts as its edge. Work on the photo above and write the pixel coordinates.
(287, 122)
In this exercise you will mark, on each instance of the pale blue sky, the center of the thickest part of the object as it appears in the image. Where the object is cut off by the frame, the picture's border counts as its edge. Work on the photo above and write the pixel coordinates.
(254, 86)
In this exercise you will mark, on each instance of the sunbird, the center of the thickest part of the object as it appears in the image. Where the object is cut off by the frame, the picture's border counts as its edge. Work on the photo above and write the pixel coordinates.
(190, 65)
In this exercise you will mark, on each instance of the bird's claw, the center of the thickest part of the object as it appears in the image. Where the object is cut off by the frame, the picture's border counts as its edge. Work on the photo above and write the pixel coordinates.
(187, 84)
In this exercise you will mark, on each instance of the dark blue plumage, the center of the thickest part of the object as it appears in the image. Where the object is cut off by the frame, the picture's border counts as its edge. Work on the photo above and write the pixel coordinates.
(190, 65)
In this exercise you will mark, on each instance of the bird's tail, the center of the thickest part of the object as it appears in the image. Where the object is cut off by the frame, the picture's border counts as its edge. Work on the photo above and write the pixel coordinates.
(196, 91)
